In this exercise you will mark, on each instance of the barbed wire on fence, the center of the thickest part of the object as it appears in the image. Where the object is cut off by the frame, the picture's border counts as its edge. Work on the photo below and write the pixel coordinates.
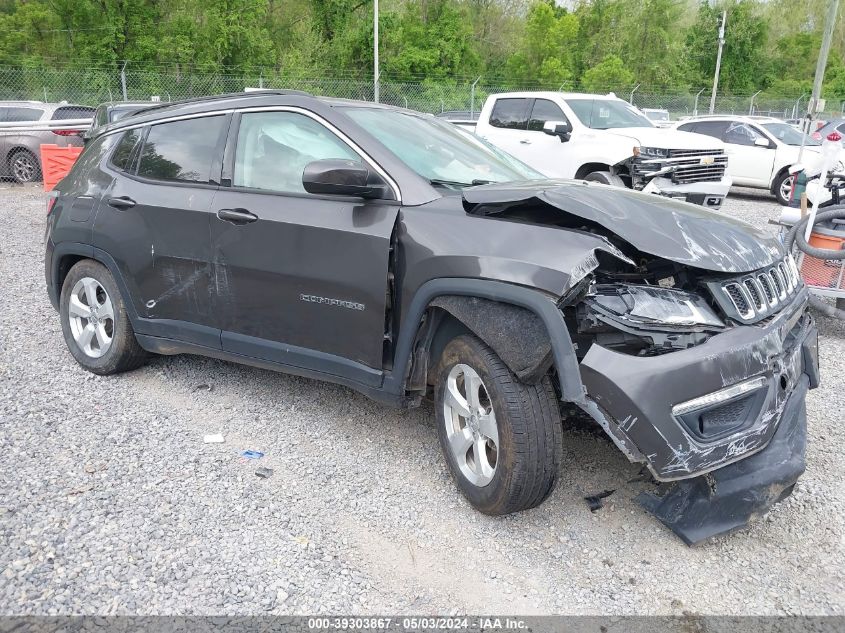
(98, 84)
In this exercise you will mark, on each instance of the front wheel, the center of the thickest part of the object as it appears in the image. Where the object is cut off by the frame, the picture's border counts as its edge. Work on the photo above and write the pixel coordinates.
(605, 178)
(502, 438)
(783, 188)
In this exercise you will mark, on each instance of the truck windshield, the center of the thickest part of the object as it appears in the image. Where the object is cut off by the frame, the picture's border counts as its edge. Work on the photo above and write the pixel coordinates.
(785, 133)
(440, 152)
(602, 114)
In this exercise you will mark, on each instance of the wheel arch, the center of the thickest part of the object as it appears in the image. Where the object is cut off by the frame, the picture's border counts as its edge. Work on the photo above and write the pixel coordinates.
(535, 321)
(778, 175)
(67, 254)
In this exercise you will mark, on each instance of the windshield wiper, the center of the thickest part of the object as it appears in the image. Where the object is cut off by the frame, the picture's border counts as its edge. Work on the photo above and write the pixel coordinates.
(455, 183)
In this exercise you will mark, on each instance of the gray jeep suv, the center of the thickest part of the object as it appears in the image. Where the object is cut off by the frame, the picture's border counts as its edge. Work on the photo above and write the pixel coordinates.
(386, 250)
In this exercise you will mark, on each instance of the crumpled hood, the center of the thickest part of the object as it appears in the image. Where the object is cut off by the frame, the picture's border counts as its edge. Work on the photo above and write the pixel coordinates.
(667, 138)
(677, 231)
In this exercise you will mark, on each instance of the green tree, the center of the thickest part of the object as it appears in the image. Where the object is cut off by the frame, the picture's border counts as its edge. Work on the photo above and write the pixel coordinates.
(544, 54)
(610, 74)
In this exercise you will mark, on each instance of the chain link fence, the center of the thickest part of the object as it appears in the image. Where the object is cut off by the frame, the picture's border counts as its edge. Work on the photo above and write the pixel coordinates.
(94, 85)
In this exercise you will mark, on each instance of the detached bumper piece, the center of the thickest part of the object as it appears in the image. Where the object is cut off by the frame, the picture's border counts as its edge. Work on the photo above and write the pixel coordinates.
(730, 497)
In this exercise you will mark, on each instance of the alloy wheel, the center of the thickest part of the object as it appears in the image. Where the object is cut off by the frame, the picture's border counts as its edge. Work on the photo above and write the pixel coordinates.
(24, 167)
(786, 188)
(91, 317)
(471, 428)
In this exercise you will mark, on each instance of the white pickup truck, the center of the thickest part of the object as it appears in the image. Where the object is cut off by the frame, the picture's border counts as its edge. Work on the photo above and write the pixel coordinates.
(604, 139)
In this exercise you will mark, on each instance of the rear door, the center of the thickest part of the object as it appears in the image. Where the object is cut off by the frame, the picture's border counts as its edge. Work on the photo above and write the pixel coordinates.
(507, 127)
(302, 279)
(155, 222)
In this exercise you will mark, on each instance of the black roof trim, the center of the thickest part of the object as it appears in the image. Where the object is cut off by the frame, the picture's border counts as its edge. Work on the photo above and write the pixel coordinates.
(227, 95)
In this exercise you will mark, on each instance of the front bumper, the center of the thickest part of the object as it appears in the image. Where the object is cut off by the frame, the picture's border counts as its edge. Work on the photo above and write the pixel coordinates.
(730, 497)
(709, 193)
(727, 477)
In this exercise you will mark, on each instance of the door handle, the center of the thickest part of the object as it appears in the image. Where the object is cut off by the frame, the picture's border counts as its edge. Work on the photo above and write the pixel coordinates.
(525, 141)
(236, 216)
(121, 203)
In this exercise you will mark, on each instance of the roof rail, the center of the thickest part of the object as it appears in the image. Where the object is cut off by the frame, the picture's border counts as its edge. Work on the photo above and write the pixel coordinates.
(252, 93)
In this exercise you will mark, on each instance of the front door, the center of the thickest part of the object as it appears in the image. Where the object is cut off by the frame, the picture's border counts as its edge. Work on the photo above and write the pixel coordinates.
(301, 279)
(155, 220)
(748, 163)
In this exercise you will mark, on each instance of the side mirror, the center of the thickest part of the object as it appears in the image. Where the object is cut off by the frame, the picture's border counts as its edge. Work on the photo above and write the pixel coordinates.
(762, 142)
(561, 129)
(341, 177)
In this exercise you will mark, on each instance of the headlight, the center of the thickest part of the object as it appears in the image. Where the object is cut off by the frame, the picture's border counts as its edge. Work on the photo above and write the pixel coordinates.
(653, 306)
(653, 152)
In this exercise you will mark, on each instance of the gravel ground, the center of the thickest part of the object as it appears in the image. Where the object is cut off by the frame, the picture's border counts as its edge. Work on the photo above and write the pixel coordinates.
(110, 502)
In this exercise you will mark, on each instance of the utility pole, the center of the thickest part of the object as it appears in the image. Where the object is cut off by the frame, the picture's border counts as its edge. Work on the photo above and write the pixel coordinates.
(375, 51)
(813, 103)
(718, 61)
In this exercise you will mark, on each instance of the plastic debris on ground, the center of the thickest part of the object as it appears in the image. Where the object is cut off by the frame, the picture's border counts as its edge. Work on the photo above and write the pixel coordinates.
(595, 501)
(216, 438)
(252, 454)
(264, 472)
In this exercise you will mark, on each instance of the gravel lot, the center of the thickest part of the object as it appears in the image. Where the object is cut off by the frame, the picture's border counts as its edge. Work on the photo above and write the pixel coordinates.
(110, 502)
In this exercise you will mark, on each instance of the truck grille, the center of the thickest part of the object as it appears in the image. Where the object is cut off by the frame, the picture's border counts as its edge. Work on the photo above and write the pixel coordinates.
(755, 296)
(693, 165)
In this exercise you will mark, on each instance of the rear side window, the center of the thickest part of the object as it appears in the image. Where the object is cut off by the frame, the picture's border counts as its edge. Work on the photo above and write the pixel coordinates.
(181, 151)
(716, 129)
(542, 112)
(122, 157)
(510, 113)
(72, 112)
(14, 114)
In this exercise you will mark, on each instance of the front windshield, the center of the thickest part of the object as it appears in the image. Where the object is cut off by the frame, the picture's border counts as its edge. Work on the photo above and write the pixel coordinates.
(602, 114)
(438, 151)
(785, 133)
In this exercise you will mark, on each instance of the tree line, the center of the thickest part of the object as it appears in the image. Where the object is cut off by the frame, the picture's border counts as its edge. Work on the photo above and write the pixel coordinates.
(586, 44)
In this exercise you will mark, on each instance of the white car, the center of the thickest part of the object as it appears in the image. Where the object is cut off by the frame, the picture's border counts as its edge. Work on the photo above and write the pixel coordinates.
(761, 150)
(604, 139)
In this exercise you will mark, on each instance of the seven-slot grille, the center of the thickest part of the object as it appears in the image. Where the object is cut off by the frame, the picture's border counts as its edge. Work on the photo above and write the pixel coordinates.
(757, 295)
(694, 165)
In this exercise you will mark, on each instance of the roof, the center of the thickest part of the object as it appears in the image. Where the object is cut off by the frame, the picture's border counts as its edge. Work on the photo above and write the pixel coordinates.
(734, 117)
(547, 94)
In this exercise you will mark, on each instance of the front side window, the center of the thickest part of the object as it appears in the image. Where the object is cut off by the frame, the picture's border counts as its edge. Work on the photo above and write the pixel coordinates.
(542, 112)
(122, 157)
(181, 151)
(603, 114)
(274, 148)
(510, 113)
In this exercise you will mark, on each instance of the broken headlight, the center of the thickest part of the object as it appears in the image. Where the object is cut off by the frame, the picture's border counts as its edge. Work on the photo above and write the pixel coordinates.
(652, 152)
(654, 307)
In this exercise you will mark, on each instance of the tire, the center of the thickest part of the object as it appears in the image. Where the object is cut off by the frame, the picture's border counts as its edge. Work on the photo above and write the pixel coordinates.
(525, 421)
(24, 166)
(103, 342)
(782, 188)
(605, 178)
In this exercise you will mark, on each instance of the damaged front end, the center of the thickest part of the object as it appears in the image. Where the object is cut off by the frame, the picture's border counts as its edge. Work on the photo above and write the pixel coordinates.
(703, 383)
(694, 347)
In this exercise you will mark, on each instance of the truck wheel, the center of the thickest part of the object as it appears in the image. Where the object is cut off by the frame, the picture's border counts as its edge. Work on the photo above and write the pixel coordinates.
(605, 178)
(783, 188)
(94, 321)
(502, 438)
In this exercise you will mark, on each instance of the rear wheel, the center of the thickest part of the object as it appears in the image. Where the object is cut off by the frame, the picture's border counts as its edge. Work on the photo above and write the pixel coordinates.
(502, 439)
(24, 166)
(94, 321)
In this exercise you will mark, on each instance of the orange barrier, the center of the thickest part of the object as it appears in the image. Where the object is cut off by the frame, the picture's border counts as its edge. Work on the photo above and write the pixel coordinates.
(56, 163)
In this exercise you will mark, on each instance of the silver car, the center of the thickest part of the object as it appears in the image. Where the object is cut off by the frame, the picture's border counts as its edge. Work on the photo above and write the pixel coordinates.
(19, 151)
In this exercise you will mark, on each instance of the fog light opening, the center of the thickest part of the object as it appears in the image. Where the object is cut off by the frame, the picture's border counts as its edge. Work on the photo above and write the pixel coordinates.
(784, 382)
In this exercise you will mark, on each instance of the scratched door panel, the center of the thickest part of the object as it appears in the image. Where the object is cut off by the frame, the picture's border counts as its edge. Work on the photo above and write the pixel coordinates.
(310, 272)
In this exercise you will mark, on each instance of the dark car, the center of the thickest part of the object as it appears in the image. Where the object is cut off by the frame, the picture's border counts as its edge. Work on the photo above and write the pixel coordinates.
(388, 251)
(20, 155)
(112, 111)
